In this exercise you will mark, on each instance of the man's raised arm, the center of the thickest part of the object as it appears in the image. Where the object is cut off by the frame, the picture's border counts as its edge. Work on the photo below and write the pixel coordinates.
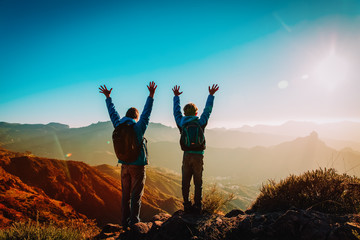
(145, 115)
(114, 116)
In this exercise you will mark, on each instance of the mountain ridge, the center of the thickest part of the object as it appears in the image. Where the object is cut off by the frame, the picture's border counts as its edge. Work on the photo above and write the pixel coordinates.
(93, 145)
(257, 165)
(92, 194)
(337, 135)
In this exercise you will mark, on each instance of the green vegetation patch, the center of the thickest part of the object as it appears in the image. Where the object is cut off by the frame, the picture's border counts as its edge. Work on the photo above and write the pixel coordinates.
(322, 190)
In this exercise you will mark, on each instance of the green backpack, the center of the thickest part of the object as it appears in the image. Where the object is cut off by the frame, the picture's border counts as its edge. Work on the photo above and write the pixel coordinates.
(192, 137)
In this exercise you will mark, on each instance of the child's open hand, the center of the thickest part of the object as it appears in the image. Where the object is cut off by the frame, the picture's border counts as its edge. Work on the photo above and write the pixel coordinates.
(176, 90)
(213, 89)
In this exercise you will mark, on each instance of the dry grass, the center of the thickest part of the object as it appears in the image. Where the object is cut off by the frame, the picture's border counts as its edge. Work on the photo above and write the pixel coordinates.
(32, 230)
(356, 234)
(213, 200)
(323, 190)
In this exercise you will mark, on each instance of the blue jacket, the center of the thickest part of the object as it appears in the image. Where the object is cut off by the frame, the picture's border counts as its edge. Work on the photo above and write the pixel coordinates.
(203, 120)
(139, 127)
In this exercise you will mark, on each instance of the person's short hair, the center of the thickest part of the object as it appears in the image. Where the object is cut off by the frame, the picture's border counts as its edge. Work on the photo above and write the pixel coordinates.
(190, 109)
(132, 113)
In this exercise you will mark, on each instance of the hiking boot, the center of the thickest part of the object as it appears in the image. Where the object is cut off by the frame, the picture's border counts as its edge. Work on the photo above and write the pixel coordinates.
(187, 207)
(196, 209)
(126, 224)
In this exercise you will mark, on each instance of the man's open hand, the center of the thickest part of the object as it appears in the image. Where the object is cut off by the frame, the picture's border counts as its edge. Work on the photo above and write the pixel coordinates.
(152, 87)
(176, 90)
(105, 91)
(213, 89)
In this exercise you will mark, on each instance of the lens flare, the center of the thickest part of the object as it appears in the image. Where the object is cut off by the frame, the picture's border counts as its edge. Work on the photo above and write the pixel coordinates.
(283, 84)
(305, 76)
(68, 155)
(331, 72)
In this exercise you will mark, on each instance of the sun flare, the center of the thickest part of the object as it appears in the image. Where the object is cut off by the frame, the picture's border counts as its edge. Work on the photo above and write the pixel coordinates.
(331, 71)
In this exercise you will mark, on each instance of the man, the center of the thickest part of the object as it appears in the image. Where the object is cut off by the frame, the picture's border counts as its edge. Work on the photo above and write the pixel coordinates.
(133, 173)
(193, 151)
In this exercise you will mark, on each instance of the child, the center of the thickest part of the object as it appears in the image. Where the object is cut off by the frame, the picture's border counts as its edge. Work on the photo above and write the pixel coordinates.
(193, 144)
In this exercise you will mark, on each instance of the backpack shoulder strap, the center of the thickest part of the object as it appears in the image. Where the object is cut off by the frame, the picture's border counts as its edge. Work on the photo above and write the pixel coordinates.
(180, 128)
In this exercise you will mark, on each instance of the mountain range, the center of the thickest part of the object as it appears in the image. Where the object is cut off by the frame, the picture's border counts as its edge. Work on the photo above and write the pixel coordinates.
(255, 165)
(250, 154)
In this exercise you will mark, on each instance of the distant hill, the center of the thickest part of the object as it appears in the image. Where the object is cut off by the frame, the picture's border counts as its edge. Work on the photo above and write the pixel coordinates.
(337, 135)
(88, 144)
(223, 157)
(92, 144)
(69, 189)
(256, 165)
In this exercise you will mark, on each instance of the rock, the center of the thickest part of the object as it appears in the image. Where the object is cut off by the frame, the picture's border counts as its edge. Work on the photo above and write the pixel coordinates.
(161, 217)
(291, 224)
(177, 228)
(141, 228)
(234, 213)
(158, 223)
(250, 211)
(138, 231)
(111, 228)
(255, 230)
(110, 231)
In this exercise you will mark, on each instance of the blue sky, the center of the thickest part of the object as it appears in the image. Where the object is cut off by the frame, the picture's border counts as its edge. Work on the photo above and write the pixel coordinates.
(274, 60)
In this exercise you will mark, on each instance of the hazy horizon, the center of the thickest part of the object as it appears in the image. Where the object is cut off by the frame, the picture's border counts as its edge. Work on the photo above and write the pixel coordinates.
(173, 125)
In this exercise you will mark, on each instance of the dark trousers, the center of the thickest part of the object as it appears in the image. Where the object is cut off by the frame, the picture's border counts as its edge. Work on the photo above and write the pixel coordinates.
(132, 183)
(192, 167)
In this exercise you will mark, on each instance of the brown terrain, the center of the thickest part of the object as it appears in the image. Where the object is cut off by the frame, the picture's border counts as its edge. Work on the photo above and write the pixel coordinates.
(49, 189)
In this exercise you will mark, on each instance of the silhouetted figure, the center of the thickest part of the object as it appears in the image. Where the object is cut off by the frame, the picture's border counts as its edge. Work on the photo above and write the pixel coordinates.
(133, 168)
(192, 142)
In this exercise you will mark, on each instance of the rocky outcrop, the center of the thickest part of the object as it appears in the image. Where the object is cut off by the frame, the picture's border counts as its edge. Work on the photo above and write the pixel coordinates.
(141, 230)
(291, 224)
